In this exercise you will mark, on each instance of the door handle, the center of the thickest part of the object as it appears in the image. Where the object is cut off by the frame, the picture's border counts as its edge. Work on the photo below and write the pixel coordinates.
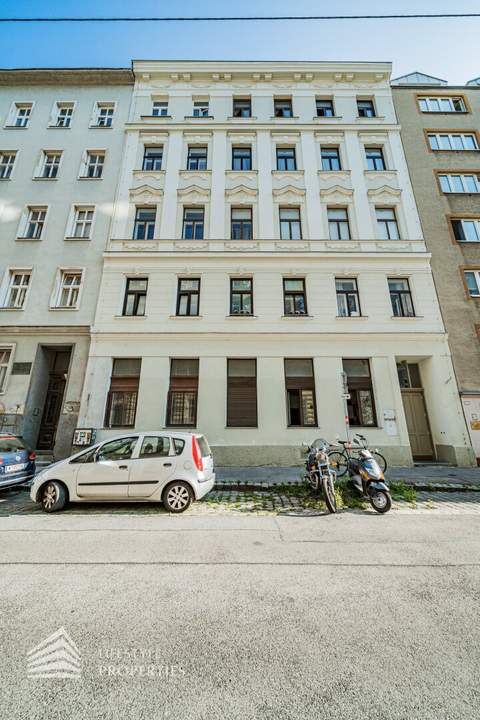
(123, 467)
(167, 464)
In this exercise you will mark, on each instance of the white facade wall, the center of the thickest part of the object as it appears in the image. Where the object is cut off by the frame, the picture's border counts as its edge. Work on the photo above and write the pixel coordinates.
(269, 336)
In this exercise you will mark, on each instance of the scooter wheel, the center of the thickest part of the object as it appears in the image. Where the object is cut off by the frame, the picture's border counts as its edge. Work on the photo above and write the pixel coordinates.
(328, 490)
(381, 501)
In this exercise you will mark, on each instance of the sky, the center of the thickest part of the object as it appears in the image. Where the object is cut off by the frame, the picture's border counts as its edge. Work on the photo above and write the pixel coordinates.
(445, 48)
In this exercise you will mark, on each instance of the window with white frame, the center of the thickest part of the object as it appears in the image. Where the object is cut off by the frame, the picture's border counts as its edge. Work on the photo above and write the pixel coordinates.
(472, 278)
(50, 164)
(18, 283)
(82, 222)
(457, 183)
(20, 117)
(93, 164)
(441, 104)
(68, 289)
(5, 362)
(7, 161)
(453, 141)
(160, 108)
(200, 108)
(63, 114)
(104, 114)
(35, 222)
(290, 223)
(348, 302)
(387, 223)
(466, 229)
(338, 225)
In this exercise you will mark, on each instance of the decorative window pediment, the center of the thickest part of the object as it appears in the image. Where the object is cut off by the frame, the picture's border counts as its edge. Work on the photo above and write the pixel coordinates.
(146, 193)
(288, 194)
(337, 193)
(384, 194)
(241, 194)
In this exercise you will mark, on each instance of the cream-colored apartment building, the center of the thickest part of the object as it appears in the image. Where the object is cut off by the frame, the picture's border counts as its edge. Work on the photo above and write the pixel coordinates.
(266, 273)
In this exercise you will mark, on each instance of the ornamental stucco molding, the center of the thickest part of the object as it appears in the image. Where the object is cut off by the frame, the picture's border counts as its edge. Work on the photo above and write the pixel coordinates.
(194, 193)
(198, 137)
(375, 137)
(154, 138)
(384, 194)
(288, 194)
(242, 246)
(330, 138)
(337, 193)
(191, 245)
(241, 193)
(146, 193)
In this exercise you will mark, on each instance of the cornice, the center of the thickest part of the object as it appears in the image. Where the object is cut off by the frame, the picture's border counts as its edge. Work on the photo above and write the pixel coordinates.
(66, 76)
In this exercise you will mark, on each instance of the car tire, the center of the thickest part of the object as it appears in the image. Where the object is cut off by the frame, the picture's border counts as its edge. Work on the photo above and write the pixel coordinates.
(53, 496)
(177, 496)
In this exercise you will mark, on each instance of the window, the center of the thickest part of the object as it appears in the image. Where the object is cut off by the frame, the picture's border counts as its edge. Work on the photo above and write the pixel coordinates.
(17, 289)
(144, 227)
(188, 297)
(122, 396)
(160, 108)
(300, 388)
(375, 159)
(200, 108)
(22, 113)
(387, 224)
(472, 278)
(104, 116)
(50, 165)
(241, 296)
(241, 393)
(135, 297)
(64, 113)
(242, 107)
(408, 375)
(294, 296)
(361, 404)
(241, 223)
(290, 224)
(35, 222)
(286, 158)
(282, 107)
(365, 108)
(197, 157)
(325, 107)
(453, 141)
(330, 158)
(441, 104)
(82, 222)
(193, 222)
(338, 225)
(348, 302)
(460, 183)
(401, 297)
(466, 230)
(68, 289)
(119, 449)
(5, 359)
(182, 394)
(155, 446)
(241, 158)
(94, 164)
(7, 161)
(152, 158)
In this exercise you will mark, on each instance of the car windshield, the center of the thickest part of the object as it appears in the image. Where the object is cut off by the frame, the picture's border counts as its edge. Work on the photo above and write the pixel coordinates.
(11, 444)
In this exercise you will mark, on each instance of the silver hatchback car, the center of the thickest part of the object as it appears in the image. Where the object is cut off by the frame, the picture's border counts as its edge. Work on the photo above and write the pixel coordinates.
(170, 467)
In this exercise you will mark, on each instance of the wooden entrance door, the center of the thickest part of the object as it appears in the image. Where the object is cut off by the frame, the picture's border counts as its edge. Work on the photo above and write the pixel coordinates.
(418, 425)
(53, 401)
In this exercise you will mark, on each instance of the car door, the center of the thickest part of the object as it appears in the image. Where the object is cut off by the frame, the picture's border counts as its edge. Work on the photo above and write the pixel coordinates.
(107, 476)
(152, 467)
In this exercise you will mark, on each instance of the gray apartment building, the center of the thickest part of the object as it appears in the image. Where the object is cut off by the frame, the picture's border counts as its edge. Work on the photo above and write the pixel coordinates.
(441, 137)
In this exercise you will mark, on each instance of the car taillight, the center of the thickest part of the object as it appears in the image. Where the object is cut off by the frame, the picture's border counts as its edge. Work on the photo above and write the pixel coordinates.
(197, 457)
(32, 456)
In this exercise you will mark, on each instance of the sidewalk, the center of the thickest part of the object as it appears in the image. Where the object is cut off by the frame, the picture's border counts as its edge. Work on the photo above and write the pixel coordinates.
(422, 477)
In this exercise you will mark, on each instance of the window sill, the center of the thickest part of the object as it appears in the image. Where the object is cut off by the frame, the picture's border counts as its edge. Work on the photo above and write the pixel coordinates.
(149, 172)
(156, 117)
(301, 427)
(371, 119)
(286, 117)
(63, 309)
(28, 239)
(444, 112)
(241, 315)
(191, 172)
(130, 317)
(11, 309)
(297, 172)
(84, 177)
(407, 317)
(241, 427)
(100, 127)
(15, 127)
(373, 173)
(6, 178)
(453, 150)
(244, 119)
(59, 127)
(327, 118)
(351, 317)
(244, 172)
(198, 117)
(44, 179)
(297, 317)
(185, 317)
(76, 238)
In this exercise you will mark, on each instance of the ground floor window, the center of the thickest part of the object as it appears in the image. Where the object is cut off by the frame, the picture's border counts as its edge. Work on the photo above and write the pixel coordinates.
(300, 388)
(361, 403)
(242, 393)
(123, 393)
(183, 392)
(5, 357)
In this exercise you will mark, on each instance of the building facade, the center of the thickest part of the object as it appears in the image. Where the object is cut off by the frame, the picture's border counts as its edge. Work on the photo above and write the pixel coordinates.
(440, 131)
(61, 140)
(266, 274)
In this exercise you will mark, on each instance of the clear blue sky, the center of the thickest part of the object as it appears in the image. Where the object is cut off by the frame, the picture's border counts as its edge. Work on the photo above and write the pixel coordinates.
(445, 48)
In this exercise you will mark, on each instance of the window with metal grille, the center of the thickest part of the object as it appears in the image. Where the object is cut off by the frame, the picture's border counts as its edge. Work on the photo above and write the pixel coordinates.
(182, 394)
(241, 393)
(300, 390)
(123, 393)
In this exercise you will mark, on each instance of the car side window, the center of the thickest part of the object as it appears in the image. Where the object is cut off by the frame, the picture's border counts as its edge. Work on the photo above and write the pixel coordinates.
(85, 457)
(155, 446)
(178, 445)
(120, 449)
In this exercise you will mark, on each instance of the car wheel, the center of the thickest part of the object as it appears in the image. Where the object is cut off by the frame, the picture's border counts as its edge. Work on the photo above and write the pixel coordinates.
(53, 497)
(177, 496)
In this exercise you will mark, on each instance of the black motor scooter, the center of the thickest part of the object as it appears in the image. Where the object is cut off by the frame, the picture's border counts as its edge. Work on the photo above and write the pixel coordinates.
(367, 479)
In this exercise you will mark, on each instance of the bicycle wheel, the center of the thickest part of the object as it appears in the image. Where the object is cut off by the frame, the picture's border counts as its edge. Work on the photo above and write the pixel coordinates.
(339, 462)
(380, 460)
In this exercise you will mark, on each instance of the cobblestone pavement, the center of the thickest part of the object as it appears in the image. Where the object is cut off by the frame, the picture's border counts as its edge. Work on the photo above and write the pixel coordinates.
(16, 501)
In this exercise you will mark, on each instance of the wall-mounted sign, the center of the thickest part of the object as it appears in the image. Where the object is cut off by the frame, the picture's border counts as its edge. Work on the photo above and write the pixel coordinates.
(84, 436)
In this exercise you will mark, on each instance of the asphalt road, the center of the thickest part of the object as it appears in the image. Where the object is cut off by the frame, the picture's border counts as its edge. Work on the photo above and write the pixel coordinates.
(354, 616)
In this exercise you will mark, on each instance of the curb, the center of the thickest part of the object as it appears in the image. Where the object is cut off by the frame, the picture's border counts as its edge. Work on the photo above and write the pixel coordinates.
(242, 486)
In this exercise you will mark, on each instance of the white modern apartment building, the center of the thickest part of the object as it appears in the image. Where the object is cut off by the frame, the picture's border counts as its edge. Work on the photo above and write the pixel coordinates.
(61, 140)
(266, 273)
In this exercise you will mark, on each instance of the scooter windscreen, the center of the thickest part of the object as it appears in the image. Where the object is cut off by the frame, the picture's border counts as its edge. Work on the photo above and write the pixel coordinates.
(372, 468)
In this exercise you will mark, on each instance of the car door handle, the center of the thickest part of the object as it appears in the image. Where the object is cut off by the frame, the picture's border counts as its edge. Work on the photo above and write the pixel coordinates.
(123, 467)
(167, 464)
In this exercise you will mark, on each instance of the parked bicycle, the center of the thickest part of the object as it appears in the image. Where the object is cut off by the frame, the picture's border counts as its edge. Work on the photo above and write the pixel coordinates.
(352, 449)
(319, 474)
